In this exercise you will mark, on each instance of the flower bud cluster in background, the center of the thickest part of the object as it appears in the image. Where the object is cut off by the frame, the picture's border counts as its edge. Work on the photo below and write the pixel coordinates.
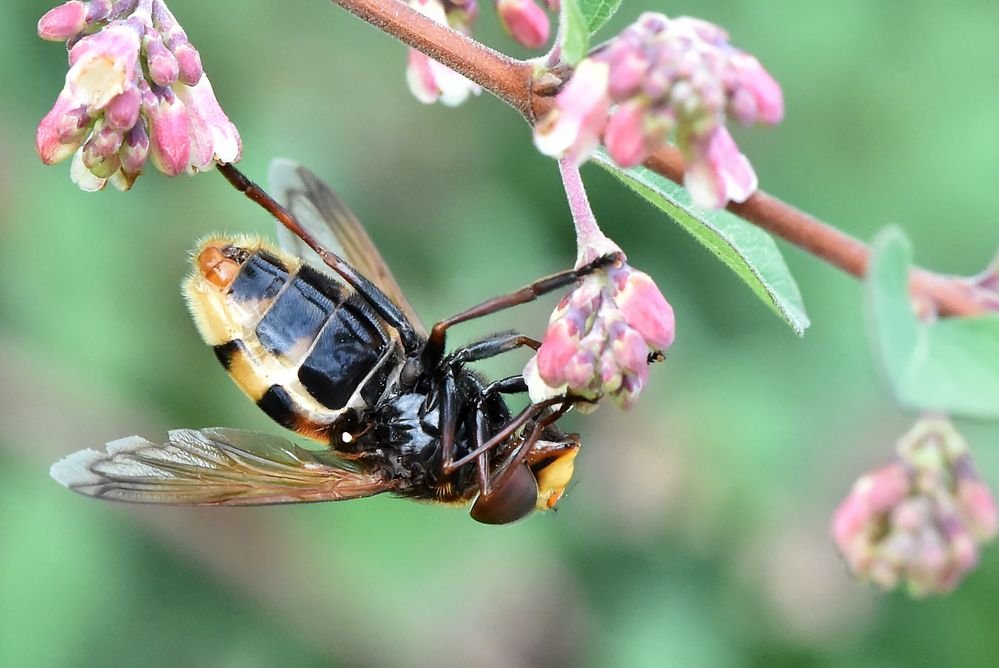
(135, 91)
(921, 518)
(666, 77)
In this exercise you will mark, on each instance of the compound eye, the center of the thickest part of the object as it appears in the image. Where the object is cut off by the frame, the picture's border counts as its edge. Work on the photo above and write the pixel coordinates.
(511, 502)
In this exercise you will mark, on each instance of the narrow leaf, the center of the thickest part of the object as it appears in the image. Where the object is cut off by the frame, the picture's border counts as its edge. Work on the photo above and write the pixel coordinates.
(950, 365)
(747, 250)
(574, 37)
(598, 12)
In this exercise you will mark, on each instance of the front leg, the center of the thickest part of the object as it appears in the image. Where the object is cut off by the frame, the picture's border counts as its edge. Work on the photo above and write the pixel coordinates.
(433, 352)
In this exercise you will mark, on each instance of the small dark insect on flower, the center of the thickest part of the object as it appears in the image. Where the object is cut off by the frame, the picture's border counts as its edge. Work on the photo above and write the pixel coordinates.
(334, 352)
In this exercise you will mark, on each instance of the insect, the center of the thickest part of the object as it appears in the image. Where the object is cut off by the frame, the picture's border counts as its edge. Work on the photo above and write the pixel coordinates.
(319, 334)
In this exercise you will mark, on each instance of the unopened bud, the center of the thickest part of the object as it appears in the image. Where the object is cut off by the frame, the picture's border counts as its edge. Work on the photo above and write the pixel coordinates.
(170, 142)
(190, 70)
(163, 66)
(62, 130)
(134, 150)
(525, 21)
(123, 110)
(625, 133)
(63, 22)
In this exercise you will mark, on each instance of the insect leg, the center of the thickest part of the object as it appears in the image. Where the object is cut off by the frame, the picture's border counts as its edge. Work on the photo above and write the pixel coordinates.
(434, 349)
(491, 347)
(448, 417)
(522, 452)
(513, 425)
(379, 302)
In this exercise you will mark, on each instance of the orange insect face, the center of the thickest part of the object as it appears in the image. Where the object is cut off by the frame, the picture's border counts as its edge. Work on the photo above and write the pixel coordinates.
(217, 268)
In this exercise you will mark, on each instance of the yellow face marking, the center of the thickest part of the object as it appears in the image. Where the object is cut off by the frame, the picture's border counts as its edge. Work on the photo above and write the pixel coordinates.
(554, 477)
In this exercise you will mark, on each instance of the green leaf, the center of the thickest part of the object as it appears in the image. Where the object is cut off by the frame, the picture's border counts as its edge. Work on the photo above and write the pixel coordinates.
(574, 37)
(950, 365)
(746, 249)
(598, 12)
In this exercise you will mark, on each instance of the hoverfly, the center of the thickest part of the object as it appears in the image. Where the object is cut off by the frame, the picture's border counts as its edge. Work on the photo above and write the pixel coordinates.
(319, 334)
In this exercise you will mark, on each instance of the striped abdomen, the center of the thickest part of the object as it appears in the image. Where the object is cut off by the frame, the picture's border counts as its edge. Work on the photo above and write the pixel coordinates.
(300, 343)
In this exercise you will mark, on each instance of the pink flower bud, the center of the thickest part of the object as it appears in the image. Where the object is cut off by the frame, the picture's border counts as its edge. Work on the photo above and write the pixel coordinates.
(170, 142)
(62, 130)
(557, 349)
(102, 145)
(644, 308)
(625, 133)
(631, 352)
(764, 90)
(629, 67)
(163, 66)
(979, 506)
(189, 65)
(573, 128)
(135, 150)
(63, 22)
(123, 110)
(101, 166)
(525, 21)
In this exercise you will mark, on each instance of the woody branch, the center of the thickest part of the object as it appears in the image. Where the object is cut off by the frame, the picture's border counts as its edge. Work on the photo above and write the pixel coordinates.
(512, 81)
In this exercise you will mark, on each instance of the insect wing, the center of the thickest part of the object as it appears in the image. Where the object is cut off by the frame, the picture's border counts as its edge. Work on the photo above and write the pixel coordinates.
(225, 467)
(334, 225)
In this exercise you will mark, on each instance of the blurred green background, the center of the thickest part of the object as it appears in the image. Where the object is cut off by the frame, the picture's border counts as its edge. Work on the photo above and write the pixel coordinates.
(697, 532)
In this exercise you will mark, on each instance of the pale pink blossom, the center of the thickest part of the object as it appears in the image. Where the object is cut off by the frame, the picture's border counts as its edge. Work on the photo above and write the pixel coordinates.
(103, 65)
(573, 128)
(525, 21)
(213, 136)
(429, 81)
(717, 172)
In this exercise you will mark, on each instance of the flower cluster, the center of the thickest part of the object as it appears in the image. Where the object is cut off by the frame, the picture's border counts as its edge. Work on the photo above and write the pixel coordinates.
(920, 518)
(601, 339)
(430, 81)
(135, 90)
(665, 77)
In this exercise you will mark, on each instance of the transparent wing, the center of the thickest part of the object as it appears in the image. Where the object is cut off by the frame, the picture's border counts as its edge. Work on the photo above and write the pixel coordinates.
(225, 467)
(327, 218)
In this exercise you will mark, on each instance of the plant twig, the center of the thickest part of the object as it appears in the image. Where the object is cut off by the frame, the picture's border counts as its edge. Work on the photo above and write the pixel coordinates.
(512, 81)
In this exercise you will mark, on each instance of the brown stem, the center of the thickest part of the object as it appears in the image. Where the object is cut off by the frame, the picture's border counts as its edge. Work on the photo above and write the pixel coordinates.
(507, 78)
(512, 81)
